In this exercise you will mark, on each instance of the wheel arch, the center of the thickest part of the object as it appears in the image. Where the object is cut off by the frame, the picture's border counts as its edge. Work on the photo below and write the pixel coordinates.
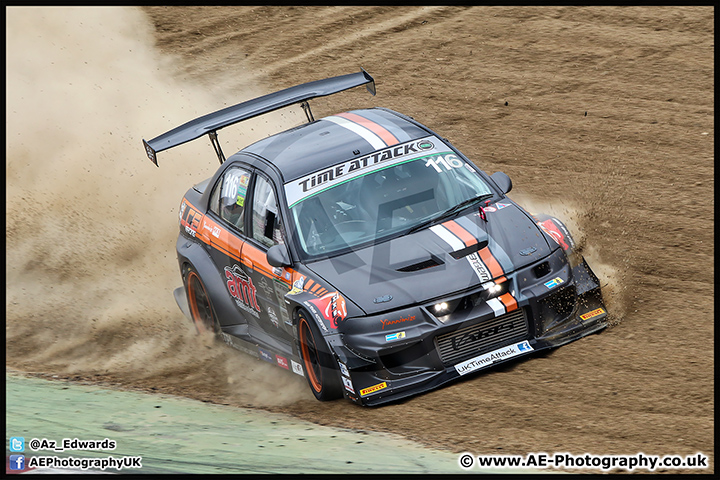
(324, 378)
(561, 227)
(192, 254)
(300, 304)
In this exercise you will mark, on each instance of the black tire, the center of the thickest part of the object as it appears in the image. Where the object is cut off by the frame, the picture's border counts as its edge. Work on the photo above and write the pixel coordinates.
(321, 369)
(201, 309)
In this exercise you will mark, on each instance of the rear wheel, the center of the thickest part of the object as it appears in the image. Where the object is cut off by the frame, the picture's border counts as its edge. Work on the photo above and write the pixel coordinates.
(199, 303)
(320, 367)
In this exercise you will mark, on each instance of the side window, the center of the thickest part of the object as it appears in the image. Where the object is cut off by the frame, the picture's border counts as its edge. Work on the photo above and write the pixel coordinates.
(228, 198)
(215, 198)
(266, 224)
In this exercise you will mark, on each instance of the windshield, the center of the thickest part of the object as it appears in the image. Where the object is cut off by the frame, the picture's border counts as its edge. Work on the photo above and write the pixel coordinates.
(384, 201)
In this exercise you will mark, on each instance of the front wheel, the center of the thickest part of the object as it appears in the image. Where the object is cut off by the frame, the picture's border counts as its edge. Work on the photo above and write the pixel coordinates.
(200, 308)
(320, 367)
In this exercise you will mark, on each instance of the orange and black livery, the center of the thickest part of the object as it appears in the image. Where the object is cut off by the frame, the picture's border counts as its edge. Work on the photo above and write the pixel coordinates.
(366, 253)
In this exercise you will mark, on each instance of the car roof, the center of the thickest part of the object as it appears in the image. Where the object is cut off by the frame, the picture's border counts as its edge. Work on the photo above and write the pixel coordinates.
(335, 139)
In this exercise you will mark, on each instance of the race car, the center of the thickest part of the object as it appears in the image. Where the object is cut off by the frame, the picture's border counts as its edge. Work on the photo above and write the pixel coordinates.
(366, 253)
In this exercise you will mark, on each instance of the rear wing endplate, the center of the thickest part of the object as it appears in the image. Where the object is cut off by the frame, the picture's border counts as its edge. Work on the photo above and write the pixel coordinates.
(209, 124)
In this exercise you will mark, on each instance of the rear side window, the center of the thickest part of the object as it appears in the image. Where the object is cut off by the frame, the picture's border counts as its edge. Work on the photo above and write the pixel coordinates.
(228, 198)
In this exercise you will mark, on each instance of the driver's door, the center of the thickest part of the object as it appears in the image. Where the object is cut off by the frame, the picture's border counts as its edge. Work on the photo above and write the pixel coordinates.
(271, 284)
(227, 236)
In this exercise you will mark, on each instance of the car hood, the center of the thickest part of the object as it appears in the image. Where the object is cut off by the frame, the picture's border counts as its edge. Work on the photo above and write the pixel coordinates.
(436, 261)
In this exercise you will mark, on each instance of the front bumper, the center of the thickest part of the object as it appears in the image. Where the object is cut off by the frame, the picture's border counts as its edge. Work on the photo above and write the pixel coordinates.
(385, 358)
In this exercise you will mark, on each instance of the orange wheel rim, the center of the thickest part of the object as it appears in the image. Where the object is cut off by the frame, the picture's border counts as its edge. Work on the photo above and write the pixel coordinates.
(193, 283)
(305, 339)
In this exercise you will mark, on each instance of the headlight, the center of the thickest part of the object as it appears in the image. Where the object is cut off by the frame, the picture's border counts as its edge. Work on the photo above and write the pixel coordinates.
(441, 308)
(496, 289)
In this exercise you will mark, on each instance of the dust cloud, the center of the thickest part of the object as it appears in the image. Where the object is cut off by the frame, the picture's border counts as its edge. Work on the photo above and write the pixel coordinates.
(91, 223)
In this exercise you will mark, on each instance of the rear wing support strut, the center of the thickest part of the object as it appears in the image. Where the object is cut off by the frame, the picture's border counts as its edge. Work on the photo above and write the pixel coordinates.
(216, 145)
(211, 123)
(308, 113)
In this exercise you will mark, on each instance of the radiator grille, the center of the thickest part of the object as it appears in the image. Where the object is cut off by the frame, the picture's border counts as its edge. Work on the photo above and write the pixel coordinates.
(482, 337)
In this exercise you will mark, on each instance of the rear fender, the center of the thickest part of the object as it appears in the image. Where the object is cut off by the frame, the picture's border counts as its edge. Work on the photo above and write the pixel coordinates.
(191, 253)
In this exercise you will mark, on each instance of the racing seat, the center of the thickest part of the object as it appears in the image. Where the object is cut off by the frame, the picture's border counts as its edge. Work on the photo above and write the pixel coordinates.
(316, 225)
(399, 195)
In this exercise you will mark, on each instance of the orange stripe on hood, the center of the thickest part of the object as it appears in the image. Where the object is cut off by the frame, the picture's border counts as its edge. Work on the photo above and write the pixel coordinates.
(460, 232)
(488, 259)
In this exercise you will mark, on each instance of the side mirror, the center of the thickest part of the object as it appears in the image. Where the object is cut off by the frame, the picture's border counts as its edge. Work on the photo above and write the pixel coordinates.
(278, 256)
(502, 181)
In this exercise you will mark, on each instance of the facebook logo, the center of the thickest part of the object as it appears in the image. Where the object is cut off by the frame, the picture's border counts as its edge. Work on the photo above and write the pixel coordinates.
(17, 462)
(524, 346)
(17, 444)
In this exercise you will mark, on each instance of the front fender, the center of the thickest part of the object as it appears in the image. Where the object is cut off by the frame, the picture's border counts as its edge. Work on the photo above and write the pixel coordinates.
(333, 338)
(556, 231)
(295, 302)
(325, 304)
(587, 282)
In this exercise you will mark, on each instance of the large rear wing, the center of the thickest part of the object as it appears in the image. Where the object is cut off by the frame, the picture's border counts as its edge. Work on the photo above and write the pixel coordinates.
(209, 124)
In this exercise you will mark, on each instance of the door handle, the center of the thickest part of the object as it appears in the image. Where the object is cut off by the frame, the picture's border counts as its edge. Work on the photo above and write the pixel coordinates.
(248, 263)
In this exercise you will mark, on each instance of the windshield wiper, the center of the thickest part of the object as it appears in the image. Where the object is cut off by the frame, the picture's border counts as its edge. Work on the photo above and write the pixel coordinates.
(451, 211)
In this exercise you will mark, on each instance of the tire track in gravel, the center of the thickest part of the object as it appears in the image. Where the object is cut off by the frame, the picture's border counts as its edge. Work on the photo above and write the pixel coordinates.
(342, 42)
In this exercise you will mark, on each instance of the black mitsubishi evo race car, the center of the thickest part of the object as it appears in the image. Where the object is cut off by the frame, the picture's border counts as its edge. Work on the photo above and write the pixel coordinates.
(366, 253)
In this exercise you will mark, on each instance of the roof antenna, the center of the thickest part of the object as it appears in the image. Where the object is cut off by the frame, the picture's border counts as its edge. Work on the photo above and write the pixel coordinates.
(306, 108)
